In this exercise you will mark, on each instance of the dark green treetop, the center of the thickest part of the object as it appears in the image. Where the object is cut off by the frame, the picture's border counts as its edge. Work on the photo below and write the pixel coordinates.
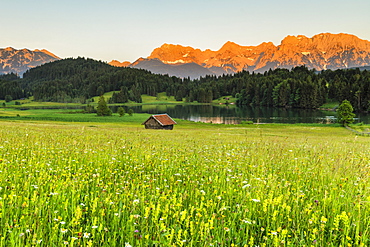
(121, 111)
(103, 109)
(345, 113)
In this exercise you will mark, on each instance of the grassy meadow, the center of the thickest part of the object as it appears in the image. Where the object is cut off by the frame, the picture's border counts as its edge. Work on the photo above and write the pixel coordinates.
(160, 99)
(117, 184)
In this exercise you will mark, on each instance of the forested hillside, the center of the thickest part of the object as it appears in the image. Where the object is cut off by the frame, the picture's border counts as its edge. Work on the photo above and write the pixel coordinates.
(298, 88)
(10, 87)
(303, 88)
(77, 80)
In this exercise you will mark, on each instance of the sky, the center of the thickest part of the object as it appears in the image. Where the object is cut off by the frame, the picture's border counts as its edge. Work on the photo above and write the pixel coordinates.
(127, 30)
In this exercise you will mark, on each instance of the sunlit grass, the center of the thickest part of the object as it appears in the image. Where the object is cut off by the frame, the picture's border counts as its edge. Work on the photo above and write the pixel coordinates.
(361, 128)
(10, 112)
(161, 98)
(225, 100)
(330, 104)
(108, 184)
(68, 115)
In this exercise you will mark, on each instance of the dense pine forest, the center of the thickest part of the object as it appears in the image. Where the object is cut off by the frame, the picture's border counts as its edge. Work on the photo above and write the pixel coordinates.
(77, 80)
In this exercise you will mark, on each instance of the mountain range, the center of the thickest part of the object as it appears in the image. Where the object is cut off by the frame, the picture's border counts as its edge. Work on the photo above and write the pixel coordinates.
(19, 61)
(322, 51)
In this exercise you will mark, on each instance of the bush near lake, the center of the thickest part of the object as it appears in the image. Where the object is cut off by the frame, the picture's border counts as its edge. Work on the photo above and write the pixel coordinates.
(103, 109)
(345, 113)
(112, 185)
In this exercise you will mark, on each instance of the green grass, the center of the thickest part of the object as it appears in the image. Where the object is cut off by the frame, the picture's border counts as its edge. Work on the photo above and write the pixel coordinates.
(107, 96)
(11, 112)
(361, 128)
(160, 99)
(108, 184)
(330, 104)
(225, 100)
(25, 103)
(73, 115)
(65, 115)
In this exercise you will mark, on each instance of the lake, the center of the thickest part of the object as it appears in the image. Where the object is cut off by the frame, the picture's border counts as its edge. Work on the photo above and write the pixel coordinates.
(231, 114)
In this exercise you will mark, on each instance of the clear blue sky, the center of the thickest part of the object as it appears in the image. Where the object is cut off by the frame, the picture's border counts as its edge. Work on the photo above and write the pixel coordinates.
(126, 30)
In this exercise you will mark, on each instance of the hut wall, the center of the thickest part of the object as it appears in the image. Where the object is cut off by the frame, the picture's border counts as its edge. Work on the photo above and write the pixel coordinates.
(153, 124)
(168, 127)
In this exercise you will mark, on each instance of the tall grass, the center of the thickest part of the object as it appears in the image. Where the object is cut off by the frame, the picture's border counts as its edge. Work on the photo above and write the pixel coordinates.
(114, 185)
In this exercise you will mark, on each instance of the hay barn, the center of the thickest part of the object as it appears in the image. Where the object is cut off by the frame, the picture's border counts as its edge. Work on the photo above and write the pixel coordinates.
(161, 121)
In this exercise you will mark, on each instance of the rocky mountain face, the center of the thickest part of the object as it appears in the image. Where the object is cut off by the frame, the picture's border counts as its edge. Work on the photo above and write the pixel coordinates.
(322, 51)
(119, 64)
(182, 70)
(19, 61)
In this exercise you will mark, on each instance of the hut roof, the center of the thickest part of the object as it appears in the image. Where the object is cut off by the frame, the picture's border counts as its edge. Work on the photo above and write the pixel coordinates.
(162, 119)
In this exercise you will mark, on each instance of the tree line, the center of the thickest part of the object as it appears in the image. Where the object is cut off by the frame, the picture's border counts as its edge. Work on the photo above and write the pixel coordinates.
(10, 87)
(79, 79)
(298, 88)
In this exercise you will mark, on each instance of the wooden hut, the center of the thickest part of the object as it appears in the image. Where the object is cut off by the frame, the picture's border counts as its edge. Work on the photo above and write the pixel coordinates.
(162, 121)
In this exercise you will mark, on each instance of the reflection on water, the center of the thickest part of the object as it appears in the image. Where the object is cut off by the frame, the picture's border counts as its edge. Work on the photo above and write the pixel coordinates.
(217, 120)
(232, 114)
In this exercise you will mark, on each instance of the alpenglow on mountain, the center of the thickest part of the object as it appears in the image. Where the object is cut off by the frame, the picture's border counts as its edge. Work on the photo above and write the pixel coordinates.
(321, 52)
(19, 61)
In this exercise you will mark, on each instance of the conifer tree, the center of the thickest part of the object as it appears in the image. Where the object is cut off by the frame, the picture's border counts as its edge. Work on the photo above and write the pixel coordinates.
(121, 111)
(8, 98)
(103, 109)
(130, 112)
(345, 113)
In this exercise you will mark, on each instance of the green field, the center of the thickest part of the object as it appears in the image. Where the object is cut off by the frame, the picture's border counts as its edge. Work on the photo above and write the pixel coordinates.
(117, 184)
(331, 104)
(68, 115)
(160, 99)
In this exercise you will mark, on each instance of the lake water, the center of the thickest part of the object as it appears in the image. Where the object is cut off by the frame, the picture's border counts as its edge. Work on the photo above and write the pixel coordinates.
(232, 114)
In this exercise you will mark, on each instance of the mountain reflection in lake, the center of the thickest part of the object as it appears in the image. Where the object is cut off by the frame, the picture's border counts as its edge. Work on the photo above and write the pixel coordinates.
(231, 114)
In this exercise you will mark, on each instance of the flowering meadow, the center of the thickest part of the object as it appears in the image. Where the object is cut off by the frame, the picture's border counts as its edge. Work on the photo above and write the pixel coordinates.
(77, 184)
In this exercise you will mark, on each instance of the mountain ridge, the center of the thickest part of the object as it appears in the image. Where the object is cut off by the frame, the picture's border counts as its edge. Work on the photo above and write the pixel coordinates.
(322, 51)
(19, 61)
